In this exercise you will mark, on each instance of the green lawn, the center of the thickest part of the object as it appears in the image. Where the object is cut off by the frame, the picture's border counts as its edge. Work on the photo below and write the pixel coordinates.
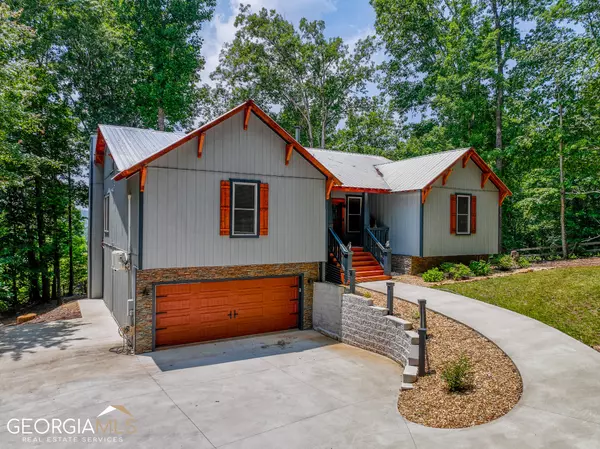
(565, 298)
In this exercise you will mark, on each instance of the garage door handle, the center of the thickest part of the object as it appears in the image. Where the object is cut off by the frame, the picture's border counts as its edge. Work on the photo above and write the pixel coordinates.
(160, 313)
(229, 314)
(235, 314)
(161, 328)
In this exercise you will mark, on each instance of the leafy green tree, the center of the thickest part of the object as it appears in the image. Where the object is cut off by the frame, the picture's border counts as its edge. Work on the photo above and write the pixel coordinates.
(312, 79)
(371, 127)
(166, 45)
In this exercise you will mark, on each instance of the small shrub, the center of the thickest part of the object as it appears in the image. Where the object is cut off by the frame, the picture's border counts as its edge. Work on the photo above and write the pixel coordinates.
(458, 374)
(447, 266)
(416, 316)
(480, 267)
(460, 271)
(504, 262)
(532, 258)
(433, 275)
(573, 256)
(367, 295)
(523, 262)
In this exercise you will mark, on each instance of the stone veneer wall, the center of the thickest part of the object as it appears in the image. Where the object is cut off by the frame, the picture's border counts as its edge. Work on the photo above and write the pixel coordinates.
(371, 328)
(417, 265)
(146, 279)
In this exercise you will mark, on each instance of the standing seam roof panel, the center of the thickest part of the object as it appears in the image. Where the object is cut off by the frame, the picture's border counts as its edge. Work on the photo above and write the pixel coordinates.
(128, 146)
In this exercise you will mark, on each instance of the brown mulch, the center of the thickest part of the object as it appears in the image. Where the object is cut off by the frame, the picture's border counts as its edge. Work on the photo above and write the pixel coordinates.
(536, 266)
(48, 312)
(67, 311)
(496, 383)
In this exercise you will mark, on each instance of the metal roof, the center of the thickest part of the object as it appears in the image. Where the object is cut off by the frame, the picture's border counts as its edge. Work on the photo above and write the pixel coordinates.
(128, 146)
(416, 173)
(353, 169)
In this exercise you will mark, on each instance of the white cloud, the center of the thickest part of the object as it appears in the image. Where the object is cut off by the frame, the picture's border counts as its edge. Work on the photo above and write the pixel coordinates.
(222, 30)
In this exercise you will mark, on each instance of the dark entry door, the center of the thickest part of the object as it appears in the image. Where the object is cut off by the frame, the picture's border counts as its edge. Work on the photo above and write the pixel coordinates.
(354, 219)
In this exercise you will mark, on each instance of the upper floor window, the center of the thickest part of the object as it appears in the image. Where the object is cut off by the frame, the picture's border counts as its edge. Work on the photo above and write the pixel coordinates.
(463, 214)
(106, 213)
(244, 208)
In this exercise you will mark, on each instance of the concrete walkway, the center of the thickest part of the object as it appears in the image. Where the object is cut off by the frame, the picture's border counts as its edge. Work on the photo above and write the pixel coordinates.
(560, 406)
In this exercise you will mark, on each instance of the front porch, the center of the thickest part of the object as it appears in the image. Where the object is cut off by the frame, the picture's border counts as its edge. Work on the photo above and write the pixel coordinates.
(357, 242)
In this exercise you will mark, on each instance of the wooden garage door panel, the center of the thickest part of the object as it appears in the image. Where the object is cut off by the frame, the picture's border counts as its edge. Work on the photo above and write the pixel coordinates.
(205, 311)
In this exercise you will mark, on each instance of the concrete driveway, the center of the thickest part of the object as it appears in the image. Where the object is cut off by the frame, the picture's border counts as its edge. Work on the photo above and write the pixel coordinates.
(293, 390)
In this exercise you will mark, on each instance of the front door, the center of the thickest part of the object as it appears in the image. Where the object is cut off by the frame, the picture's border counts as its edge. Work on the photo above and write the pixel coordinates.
(354, 219)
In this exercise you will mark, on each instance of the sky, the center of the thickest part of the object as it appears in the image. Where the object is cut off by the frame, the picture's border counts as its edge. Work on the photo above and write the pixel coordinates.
(348, 19)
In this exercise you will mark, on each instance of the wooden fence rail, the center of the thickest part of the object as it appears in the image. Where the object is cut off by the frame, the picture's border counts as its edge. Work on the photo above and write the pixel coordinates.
(586, 248)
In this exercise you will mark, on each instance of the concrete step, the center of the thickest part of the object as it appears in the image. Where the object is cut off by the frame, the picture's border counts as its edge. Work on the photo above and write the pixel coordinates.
(409, 375)
(406, 386)
(414, 337)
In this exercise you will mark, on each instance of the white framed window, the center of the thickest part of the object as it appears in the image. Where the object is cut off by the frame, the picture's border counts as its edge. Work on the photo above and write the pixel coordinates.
(463, 214)
(244, 208)
(354, 212)
(106, 213)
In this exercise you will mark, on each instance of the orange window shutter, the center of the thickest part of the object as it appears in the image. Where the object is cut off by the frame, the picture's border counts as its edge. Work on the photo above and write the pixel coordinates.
(264, 209)
(225, 208)
(473, 214)
(452, 214)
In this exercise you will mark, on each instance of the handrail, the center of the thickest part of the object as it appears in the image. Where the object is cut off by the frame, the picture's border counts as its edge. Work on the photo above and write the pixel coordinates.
(338, 240)
(377, 242)
(382, 253)
(342, 254)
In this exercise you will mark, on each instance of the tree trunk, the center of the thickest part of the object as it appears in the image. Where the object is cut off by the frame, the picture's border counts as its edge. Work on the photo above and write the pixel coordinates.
(499, 105)
(70, 212)
(161, 119)
(33, 265)
(56, 290)
(563, 230)
(41, 240)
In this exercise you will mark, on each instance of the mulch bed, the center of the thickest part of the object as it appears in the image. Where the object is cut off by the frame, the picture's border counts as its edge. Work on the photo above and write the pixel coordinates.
(67, 311)
(496, 383)
(46, 312)
(536, 266)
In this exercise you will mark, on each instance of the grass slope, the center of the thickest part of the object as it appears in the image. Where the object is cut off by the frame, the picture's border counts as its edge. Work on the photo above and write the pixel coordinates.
(567, 299)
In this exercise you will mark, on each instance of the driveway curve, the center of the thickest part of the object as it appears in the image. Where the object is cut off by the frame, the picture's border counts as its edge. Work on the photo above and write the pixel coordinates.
(560, 406)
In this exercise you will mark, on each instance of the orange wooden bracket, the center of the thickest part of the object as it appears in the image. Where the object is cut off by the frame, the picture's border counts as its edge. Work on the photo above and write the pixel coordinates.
(288, 153)
(445, 176)
(247, 116)
(425, 193)
(484, 178)
(201, 144)
(329, 187)
(502, 196)
(143, 174)
(466, 158)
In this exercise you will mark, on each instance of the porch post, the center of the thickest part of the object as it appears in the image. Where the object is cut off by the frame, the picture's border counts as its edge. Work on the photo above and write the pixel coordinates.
(366, 212)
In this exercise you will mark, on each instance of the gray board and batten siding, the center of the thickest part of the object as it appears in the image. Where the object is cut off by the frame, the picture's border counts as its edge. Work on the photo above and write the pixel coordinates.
(181, 210)
(437, 240)
(401, 212)
(118, 284)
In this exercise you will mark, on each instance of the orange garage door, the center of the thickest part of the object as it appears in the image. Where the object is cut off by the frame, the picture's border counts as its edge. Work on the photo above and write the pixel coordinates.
(202, 311)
